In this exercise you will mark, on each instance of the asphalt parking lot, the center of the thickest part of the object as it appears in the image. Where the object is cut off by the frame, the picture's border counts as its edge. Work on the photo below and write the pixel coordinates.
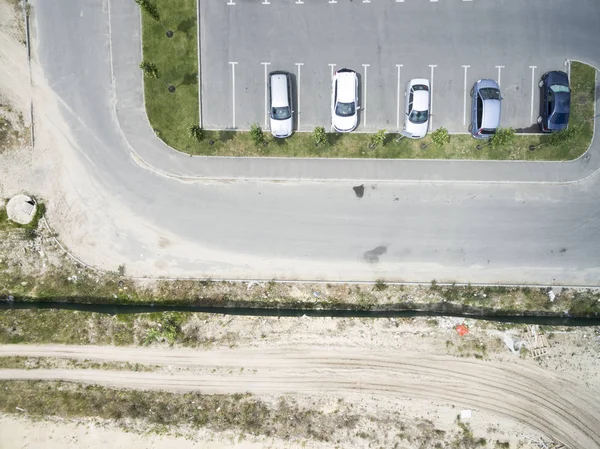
(453, 43)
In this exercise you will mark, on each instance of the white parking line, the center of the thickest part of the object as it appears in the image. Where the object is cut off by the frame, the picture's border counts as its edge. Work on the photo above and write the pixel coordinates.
(465, 96)
(332, 67)
(266, 2)
(532, 67)
(399, 1)
(399, 66)
(568, 64)
(332, 1)
(231, 2)
(299, 2)
(364, 106)
(266, 65)
(433, 1)
(432, 66)
(366, 1)
(499, 67)
(233, 90)
(299, 65)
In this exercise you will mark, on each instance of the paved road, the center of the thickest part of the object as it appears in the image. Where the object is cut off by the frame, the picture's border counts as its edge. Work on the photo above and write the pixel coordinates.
(464, 231)
(557, 407)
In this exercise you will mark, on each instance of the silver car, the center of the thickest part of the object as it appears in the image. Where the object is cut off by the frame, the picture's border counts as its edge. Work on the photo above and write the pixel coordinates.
(280, 103)
(485, 109)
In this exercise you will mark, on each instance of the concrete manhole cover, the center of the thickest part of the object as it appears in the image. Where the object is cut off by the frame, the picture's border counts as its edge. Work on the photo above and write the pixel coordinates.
(21, 209)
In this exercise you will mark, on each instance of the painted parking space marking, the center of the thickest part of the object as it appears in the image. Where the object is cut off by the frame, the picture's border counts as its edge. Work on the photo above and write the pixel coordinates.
(499, 67)
(364, 106)
(298, 84)
(231, 3)
(532, 67)
(431, 66)
(466, 67)
(233, 64)
(266, 2)
(266, 65)
(399, 66)
(299, 2)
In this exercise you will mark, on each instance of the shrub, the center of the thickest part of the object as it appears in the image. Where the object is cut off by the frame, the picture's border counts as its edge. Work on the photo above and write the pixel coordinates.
(502, 138)
(319, 136)
(149, 69)
(256, 134)
(378, 139)
(195, 131)
(440, 137)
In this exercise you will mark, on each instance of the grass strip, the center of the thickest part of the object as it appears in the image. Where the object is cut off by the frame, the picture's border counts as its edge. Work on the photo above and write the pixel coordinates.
(171, 113)
(18, 362)
(237, 412)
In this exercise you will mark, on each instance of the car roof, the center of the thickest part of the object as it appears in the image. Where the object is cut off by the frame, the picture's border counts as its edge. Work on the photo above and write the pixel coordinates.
(421, 100)
(346, 86)
(279, 89)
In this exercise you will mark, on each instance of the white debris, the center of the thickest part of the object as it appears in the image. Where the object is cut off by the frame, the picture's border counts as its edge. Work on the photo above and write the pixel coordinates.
(551, 295)
(465, 415)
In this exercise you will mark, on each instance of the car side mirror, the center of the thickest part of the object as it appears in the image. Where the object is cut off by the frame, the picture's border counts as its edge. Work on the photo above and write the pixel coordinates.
(358, 108)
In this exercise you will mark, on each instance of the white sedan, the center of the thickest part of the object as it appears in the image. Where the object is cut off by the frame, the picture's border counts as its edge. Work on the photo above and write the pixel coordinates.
(417, 108)
(344, 101)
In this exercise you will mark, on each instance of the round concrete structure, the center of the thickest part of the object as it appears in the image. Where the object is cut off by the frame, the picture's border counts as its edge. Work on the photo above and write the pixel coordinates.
(21, 209)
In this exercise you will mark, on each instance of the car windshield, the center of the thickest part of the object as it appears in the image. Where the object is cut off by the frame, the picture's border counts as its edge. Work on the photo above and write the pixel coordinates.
(559, 118)
(418, 116)
(420, 87)
(558, 88)
(345, 109)
(489, 93)
(281, 113)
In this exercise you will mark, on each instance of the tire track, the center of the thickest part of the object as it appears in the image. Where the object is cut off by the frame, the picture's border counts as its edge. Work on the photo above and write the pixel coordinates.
(560, 407)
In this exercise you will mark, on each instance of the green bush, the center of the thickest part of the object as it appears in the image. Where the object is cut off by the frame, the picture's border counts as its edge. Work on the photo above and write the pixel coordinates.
(502, 138)
(319, 136)
(149, 69)
(378, 139)
(256, 134)
(440, 137)
(195, 131)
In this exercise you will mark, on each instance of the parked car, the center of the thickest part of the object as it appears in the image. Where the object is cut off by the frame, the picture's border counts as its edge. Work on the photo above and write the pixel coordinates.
(485, 109)
(280, 104)
(555, 101)
(344, 101)
(416, 121)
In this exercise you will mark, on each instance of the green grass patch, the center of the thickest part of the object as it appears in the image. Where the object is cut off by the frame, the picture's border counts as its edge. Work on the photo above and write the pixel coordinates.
(172, 113)
(176, 58)
(18, 362)
(242, 413)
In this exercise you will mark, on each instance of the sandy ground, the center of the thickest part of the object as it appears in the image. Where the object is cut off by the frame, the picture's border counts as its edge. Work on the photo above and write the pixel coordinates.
(413, 369)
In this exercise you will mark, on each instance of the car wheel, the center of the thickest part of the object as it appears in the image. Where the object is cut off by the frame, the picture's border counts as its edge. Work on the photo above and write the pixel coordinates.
(541, 83)
(539, 120)
(472, 91)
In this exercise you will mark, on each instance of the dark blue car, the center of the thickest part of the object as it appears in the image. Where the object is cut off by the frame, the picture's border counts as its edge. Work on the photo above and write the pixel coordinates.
(555, 106)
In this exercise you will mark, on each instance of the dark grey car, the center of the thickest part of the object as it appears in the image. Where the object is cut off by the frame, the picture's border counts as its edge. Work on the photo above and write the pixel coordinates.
(485, 109)
(555, 101)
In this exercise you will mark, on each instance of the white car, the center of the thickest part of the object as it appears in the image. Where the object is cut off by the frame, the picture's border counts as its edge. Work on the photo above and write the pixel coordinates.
(417, 108)
(281, 112)
(344, 101)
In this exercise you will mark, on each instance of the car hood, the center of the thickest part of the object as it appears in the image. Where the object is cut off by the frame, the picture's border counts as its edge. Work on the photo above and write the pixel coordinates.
(345, 123)
(491, 117)
(281, 128)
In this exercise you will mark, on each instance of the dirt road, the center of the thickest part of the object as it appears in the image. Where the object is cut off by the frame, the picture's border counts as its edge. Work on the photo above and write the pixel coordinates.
(558, 407)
